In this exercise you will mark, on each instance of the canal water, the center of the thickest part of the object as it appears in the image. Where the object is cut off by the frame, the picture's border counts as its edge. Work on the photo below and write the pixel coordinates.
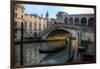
(32, 56)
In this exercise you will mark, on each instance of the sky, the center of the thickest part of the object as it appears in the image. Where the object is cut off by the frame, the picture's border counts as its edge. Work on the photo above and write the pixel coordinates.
(53, 10)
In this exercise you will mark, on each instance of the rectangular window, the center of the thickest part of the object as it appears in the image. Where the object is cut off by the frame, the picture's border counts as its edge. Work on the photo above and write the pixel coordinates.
(15, 24)
(25, 25)
(35, 29)
(35, 24)
(22, 16)
(30, 26)
(22, 11)
(44, 26)
(16, 15)
(15, 31)
(15, 8)
(39, 27)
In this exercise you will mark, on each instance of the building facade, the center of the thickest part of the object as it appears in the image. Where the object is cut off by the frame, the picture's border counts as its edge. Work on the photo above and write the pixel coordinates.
(32, 23)
(78, 20)
(18, 19)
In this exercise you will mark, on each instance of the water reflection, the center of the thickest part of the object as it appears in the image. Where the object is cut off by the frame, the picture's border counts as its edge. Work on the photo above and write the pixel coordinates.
(32, 55)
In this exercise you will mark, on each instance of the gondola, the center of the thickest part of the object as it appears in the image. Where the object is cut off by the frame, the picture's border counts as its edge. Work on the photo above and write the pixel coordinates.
(57, 49)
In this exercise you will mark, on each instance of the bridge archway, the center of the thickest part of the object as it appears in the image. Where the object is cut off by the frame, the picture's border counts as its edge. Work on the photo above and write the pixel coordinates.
(71, 33)
(58, 34)
(54, 29)
(67, 33)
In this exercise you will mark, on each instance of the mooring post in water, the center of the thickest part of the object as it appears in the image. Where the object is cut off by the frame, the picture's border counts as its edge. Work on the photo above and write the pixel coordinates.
(78, 43)
(21, 45)
(69, 44)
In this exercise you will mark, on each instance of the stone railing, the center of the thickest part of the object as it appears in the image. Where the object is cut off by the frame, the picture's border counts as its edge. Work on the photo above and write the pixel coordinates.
(73, 27)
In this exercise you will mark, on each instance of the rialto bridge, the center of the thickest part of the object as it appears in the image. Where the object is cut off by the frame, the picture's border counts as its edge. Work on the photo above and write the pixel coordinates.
(74, 31)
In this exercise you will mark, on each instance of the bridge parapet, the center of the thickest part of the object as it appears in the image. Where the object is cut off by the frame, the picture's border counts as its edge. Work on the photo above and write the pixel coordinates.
(71, 27)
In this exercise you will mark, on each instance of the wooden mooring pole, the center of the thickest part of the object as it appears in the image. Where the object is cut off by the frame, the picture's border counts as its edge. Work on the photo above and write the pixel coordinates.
(21, 45)
(69, 45)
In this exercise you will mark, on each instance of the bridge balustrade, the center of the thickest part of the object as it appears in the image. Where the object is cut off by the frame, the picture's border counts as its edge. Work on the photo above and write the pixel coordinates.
(74, 27)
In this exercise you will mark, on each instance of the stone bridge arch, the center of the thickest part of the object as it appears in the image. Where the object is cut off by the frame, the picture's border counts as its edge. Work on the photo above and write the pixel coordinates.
(47, 31)
(72, 31)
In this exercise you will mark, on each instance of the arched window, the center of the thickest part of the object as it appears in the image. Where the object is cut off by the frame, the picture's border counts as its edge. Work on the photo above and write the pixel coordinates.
(90, 21)
(70, 20)
(76, 21)
(35, 34)
(83, 21)
(66, 20)
(55, 22)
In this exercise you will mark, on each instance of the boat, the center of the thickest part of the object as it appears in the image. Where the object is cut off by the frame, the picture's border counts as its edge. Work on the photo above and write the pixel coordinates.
(57, 49)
